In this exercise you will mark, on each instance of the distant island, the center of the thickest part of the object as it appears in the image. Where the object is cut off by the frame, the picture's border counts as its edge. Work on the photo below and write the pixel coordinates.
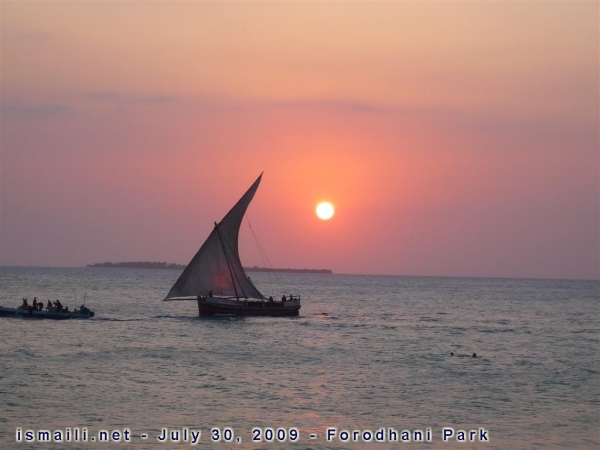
(165, 265)
(266, 269)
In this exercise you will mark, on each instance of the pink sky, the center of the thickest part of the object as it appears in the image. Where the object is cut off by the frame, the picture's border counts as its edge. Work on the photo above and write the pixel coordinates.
(453, 138)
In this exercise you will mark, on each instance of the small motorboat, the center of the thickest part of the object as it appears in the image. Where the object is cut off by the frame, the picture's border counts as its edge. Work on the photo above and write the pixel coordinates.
(31, 313)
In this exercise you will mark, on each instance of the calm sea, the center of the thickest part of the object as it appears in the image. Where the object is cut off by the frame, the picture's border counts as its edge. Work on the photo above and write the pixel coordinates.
(367, 353)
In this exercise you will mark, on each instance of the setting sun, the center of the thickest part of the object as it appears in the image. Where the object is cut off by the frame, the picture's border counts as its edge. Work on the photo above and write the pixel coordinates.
(325, 211)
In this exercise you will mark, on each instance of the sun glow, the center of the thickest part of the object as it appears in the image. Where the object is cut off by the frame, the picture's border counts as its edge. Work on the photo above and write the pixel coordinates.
(325, 211)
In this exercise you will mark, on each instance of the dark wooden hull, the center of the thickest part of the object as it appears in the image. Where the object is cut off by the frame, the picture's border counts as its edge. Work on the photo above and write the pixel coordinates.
(32, 314)
(239, 307)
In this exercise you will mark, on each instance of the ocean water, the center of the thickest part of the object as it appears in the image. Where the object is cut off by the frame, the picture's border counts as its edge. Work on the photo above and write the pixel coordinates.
(366, 353)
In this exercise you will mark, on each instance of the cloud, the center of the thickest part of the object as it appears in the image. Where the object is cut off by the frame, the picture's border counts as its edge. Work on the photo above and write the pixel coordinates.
(331, 105)
(15, 34)
(128, 99)
(18, 110)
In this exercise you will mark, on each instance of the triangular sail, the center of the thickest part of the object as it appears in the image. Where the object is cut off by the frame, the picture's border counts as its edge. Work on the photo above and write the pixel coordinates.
(218, 260)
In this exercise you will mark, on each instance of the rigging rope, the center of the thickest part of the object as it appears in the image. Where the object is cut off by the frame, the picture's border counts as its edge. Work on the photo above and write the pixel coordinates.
(265, 260)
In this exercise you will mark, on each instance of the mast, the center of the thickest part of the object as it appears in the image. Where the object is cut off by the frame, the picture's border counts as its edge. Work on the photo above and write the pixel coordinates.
(228, 263)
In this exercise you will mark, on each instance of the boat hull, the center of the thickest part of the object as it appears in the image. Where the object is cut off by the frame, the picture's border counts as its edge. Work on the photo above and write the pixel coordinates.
(214, 305)
(32, 314)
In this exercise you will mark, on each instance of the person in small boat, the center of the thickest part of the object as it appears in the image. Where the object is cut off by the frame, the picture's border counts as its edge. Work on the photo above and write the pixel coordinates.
(24, 305)
(210, 293)
(40, 306)
(58, 306)
(49, 306)
(283, 298)
(35, 303)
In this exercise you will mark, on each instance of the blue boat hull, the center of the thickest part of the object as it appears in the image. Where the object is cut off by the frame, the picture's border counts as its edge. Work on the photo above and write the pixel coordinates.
(32, 314)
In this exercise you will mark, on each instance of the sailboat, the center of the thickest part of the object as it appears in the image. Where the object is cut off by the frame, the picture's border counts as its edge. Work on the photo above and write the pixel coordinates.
(216, 279)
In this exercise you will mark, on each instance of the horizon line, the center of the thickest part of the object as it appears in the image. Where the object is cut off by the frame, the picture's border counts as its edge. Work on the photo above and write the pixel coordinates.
(350, 274)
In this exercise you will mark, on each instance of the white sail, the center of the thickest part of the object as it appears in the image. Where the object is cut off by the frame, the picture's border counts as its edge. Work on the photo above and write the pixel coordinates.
(217, 267)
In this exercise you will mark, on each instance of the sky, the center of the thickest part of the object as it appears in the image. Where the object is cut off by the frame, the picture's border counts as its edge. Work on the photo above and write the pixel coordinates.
(454, 138)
